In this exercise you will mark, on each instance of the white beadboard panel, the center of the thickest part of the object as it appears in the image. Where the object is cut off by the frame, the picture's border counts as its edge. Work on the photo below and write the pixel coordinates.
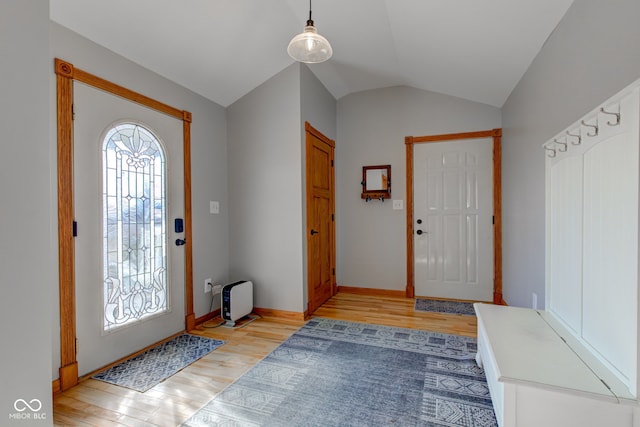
(611, 251)
(566, 241)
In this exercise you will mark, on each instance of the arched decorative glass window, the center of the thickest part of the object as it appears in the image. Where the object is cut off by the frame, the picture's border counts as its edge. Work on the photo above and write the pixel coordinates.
(134, 211)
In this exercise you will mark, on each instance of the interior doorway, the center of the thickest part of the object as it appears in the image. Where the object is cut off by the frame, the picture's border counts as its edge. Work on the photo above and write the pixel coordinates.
(495, 136)
(321, 246)
(453, 209)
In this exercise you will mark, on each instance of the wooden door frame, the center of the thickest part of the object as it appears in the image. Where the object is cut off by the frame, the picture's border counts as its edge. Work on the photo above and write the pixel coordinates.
(496, 134)
(311, 130)
(66, 74)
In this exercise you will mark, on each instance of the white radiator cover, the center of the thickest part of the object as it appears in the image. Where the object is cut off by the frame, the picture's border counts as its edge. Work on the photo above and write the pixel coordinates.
(237, 300)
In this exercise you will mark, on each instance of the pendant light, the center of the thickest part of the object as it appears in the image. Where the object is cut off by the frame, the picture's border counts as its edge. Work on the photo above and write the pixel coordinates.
(309, 46)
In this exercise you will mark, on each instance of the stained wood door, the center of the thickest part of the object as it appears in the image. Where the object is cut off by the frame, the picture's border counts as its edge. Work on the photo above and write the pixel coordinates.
(453, 219)
(320, 187)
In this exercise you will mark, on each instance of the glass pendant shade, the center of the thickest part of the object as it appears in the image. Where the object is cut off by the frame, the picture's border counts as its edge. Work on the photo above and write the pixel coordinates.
(309, 46)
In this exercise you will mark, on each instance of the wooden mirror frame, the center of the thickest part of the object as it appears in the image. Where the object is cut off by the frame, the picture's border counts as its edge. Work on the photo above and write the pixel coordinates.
(377, 193)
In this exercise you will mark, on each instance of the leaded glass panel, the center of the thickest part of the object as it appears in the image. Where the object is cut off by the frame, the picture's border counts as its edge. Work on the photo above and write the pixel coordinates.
(134, 226)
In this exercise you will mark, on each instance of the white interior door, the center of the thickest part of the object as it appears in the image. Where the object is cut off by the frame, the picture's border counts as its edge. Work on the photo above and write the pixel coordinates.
(453, 214)
(96, 112)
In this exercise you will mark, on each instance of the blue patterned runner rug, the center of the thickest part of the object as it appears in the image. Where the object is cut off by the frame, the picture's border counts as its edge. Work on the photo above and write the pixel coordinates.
(444, 306)
(337, 373)
(144, 371)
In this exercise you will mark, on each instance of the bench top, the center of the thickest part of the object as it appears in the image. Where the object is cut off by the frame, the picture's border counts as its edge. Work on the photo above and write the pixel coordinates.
(528, 350)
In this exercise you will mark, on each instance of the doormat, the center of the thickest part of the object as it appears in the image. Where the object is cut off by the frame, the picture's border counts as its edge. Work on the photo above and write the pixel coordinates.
(155, 365)
(337, 373)
(444, 306)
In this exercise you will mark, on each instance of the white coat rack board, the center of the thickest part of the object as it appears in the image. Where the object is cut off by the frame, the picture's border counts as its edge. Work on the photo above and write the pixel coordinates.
(592, 233)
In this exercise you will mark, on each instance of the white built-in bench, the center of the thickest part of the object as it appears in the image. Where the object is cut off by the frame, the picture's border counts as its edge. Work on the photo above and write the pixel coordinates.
(539, 375)
(577, 362)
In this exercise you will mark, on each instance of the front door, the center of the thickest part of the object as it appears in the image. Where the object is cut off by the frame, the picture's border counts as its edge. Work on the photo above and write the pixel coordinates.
(453, 219)
(118, 308)
(320, 218)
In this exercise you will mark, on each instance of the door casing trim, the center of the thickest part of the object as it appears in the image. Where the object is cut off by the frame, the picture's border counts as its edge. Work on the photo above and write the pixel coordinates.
(496, 134)
(66, 74)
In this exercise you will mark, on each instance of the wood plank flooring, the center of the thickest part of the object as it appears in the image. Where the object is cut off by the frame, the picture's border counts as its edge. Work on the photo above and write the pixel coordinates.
(95, 403)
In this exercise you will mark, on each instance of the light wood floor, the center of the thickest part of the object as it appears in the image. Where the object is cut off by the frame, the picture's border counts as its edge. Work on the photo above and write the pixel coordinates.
(95, 403)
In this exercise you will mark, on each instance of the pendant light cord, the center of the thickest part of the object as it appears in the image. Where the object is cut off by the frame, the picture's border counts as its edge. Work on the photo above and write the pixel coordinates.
(310, 21)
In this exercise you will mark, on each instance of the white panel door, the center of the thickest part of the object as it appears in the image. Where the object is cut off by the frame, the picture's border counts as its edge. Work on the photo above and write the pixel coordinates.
(95, 112)
(453, 214)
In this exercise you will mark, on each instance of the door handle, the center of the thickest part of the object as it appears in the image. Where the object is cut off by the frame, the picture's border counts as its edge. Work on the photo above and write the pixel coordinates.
(420, 232)
(314, 232)
(180, 242)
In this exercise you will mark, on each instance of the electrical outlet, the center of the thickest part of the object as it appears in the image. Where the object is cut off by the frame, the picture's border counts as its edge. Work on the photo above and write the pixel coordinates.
(217, 289)
(208, 284)
(534, 300)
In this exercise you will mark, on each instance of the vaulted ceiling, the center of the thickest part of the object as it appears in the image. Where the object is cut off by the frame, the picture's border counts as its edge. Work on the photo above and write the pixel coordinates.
(222, 49)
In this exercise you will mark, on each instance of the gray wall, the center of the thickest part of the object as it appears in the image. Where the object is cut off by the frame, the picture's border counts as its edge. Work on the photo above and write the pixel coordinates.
(208, 153)
(318, 106)
(267, 175)
(592, 54)
(371, 130)
(266, 223)
(25, 260)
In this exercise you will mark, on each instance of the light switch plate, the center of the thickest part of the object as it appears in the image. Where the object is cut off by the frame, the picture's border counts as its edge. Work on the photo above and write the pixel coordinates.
(214, 207)
(398, 205)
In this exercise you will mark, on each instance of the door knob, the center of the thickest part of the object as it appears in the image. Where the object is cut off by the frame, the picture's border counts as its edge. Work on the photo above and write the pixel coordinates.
(180, 242)
(314, 232)
(420, 232)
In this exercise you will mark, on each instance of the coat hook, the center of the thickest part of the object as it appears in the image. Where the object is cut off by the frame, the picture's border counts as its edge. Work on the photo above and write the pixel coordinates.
(551, 150)
(595, 128)
(575, 136)
(617, 122)
(563, 144)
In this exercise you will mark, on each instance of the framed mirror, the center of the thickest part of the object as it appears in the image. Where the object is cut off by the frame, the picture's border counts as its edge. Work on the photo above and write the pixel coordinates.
(376, 182)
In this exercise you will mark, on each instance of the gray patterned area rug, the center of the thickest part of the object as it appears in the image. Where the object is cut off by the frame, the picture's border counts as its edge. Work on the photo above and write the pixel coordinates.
(444, 306)
(144, 371)
(337, 373)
